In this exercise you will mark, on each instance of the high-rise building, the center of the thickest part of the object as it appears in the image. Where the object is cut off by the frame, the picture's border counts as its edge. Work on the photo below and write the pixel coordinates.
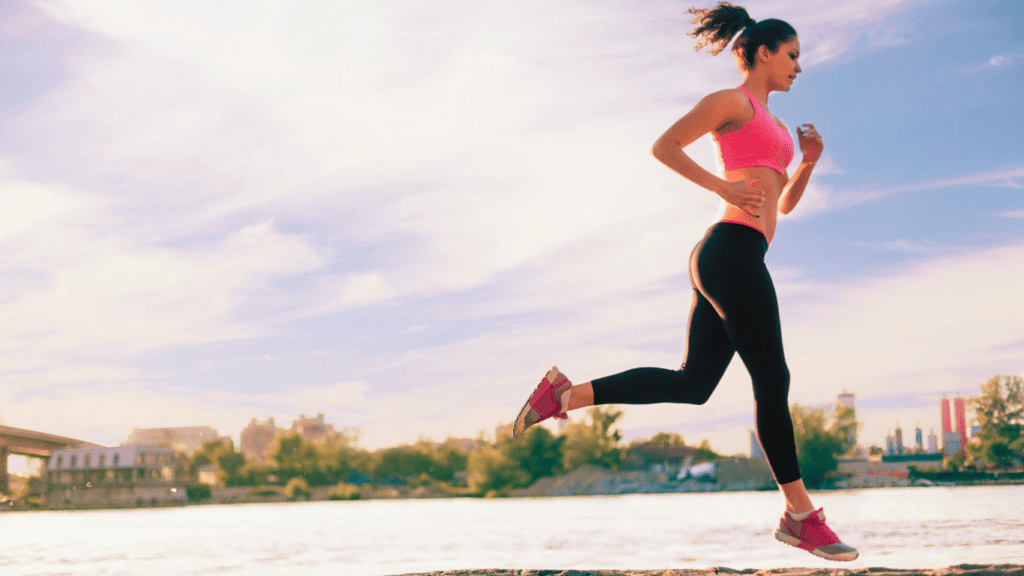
(849, 420)
(961, 422)
(919, 438)
(933, 442)
(890, 445)
(947, 422)
(899, 439)
(756, 453)
(950, 443)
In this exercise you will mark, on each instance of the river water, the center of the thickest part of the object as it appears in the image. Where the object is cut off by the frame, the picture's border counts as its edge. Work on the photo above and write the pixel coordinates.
(896, 528)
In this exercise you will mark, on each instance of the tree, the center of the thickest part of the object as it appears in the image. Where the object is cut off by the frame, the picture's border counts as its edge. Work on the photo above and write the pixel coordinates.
(494, 473)
(231, 465)
(594, 442)
(819, 438)
(295, 457)
(538, 452)
(999, 411)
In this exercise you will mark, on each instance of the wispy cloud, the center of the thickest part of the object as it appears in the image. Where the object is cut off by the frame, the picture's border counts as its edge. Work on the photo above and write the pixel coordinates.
(825, 197)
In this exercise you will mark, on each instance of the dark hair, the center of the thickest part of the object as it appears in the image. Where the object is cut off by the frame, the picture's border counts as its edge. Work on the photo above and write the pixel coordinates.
(716, 26)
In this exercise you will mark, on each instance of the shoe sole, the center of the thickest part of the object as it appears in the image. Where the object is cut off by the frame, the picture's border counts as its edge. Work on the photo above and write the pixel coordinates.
(795, 542)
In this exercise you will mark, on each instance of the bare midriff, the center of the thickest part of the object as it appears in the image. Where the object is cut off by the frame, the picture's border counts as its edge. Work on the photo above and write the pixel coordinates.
(772, 183)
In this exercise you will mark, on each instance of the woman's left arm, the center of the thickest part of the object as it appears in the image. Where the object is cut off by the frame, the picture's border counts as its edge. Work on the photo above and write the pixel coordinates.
(810, 147)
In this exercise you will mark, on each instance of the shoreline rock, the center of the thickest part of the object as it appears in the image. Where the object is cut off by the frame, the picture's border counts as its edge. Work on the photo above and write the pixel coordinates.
(959, 570)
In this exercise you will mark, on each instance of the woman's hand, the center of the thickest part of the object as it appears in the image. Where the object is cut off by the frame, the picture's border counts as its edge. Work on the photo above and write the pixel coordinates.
(744, 195)
(810, 142)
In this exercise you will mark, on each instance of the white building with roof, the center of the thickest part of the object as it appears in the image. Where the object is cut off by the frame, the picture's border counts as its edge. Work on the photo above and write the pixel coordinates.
(119, 476)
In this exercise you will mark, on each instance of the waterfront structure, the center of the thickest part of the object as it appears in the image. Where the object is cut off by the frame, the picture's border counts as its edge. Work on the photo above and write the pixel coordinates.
(32, 444)
(864, 472)
(256, 438)
(186, 439)
(121, 476)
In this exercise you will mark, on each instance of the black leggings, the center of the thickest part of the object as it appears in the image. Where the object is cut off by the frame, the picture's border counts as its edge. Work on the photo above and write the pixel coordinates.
(734, 310)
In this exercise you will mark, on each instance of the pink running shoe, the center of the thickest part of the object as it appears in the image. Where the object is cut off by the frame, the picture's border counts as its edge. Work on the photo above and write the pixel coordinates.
(813, 535)
(544, 403)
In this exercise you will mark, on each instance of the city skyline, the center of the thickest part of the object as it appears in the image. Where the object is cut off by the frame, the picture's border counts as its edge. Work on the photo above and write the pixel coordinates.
(401, 214)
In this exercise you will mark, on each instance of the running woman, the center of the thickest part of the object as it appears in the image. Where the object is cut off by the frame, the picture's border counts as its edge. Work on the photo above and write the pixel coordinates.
(734, 307)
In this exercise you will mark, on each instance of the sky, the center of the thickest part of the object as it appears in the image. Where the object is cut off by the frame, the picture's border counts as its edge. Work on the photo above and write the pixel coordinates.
(401, 214)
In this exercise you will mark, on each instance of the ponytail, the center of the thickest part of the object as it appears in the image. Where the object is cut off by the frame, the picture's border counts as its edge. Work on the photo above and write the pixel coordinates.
(717, 26)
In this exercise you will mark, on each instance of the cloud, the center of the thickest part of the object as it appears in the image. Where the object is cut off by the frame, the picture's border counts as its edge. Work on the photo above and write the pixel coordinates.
(827, 198)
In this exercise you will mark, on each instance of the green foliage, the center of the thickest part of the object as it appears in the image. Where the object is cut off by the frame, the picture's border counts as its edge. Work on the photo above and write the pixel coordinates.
(706, 451)
(196, 492)
(231, 465)
(345, 491)
(297, 488)
(999, 411)
(402, 461)
(295, 457)
(493, 472)
(594, 442)
(538, 452)
(819, 438)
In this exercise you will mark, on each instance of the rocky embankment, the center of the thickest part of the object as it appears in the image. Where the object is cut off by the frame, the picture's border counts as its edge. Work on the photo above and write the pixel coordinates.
(596, 481)
(961, 570)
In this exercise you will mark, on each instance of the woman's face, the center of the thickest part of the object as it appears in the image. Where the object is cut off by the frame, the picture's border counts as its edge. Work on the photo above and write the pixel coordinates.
(783, 65)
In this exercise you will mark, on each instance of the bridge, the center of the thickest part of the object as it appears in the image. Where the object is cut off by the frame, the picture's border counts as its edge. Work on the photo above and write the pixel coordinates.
(33, 444)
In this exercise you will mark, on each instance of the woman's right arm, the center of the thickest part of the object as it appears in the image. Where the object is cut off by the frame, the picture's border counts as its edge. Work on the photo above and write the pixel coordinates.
(711, 112)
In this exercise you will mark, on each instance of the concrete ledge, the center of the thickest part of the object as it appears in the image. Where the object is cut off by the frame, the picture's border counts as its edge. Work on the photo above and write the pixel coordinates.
(961, 570)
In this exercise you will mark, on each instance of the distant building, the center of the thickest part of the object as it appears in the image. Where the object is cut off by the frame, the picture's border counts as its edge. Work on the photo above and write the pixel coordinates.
(256, 438)
(919, 439)
(848, 400)
(313, 429)
(947, 421)
(890, 444)
(185, 439)
(899, 439)
(950, 443)
(120, 476)
(933, 443)
(756, 453)
(961, 422)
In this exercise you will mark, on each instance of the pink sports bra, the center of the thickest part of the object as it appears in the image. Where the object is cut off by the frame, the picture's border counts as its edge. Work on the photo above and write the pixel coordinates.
(760, 142)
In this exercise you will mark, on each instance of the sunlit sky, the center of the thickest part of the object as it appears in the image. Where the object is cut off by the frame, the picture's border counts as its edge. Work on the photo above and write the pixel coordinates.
(401, 213)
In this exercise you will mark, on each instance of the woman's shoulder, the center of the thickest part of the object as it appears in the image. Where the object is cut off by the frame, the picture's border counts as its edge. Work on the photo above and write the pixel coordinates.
(728, 106)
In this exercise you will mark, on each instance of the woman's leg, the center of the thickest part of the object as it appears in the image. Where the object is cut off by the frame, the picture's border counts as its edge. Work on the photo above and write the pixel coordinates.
(708, 352)
(745, 297)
